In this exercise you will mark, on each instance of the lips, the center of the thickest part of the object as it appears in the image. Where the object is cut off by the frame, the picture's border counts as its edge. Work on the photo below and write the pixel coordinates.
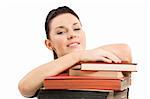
(73, 44)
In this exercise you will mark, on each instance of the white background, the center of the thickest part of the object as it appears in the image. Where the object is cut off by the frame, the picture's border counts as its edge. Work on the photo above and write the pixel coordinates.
(104, 21)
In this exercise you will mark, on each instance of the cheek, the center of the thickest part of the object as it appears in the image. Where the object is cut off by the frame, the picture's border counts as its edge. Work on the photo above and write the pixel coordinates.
(59, 43)
(83, 38)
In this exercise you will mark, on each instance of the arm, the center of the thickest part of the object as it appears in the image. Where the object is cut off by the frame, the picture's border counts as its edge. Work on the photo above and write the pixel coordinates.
(34, 79)
(120, 50)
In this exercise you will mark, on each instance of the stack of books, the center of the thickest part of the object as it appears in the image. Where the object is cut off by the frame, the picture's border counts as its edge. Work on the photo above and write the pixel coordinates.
(93, 76)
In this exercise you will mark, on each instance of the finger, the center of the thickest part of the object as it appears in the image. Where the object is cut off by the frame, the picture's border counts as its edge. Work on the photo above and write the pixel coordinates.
(113, 57)
(104, 59)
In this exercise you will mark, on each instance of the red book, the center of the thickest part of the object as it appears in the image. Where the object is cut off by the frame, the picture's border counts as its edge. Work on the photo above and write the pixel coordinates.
(86, 82)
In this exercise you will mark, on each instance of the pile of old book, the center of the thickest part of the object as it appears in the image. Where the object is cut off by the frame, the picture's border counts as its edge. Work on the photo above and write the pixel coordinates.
(94, 76)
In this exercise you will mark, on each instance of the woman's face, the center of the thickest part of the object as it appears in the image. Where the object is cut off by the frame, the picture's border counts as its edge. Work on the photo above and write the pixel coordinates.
(66, 34)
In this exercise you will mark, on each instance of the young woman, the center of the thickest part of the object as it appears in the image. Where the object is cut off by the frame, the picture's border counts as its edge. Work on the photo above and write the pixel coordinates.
(66, 39)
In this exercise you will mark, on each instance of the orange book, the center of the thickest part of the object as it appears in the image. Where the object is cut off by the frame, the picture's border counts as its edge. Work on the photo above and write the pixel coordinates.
(101, 66)
(86, 82)
(106, 74)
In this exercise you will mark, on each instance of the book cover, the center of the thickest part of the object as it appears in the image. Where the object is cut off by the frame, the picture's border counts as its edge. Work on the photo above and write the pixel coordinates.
(71, 94)
(86, 82)
(101, 66)
(107, 74)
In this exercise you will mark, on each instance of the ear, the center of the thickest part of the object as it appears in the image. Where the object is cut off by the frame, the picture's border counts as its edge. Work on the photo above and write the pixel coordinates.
(48, 44)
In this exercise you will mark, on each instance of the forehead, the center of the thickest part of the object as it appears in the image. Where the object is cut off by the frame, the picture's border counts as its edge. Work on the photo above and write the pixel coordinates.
(64, 20)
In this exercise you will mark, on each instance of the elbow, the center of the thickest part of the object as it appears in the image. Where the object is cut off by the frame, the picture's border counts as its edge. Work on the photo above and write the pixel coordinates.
(126, 52)
(25, 89)
(121, 50)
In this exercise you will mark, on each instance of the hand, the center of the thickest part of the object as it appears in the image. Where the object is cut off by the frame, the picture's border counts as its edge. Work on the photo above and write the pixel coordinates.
(99, 54)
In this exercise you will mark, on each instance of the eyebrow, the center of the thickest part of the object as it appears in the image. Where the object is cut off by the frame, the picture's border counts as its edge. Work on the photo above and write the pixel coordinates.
(60, 27)
(75, 23)
(64, 27)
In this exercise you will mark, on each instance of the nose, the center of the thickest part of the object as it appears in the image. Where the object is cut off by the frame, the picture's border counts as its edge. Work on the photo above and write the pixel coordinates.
(71, 36)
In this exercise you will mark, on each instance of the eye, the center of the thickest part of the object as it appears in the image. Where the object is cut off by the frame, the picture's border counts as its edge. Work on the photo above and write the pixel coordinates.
(77, 29)
(60, 33)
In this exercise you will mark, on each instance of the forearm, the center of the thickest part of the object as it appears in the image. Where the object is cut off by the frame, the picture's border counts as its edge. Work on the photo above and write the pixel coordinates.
(34, 79)
(120, 50)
